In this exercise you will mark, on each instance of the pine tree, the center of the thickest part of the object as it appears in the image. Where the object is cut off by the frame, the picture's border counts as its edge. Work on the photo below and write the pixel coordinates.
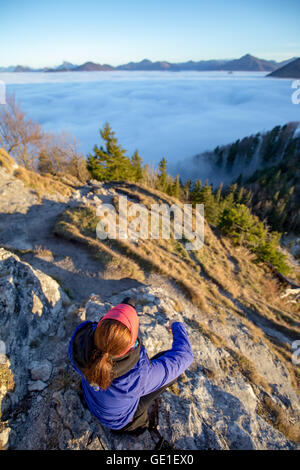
(240, 194)
(162, 182)
(187, 189)
(218, 195)
(230, 197)
(239, 179)
(270, 144)
(219, 153)
(233, 150)
(137, 169)
(196, 192)
(109, 163)
(210, 207)
(243, 227)
(248, 196)
(176, 187)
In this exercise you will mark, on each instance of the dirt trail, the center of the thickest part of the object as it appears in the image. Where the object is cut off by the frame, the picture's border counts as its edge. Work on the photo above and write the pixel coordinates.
(27, 224)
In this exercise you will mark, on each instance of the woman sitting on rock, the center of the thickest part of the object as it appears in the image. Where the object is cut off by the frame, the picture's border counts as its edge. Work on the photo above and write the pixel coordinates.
(119, 381)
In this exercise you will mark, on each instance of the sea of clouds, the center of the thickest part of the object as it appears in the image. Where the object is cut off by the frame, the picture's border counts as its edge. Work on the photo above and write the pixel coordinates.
(162, 114)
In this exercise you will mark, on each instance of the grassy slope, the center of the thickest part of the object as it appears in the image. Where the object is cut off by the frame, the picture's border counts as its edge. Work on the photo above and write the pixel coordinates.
(41, 185)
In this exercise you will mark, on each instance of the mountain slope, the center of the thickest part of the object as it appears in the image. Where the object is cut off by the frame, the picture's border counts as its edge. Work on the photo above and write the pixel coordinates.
(213, 405)
(249, 63)
(66, 66)
(21, 68)
(86, 67)
(276, 192)
(146, 64)
(92, 67)
(242, 392)
(290, 70)
(267, 164)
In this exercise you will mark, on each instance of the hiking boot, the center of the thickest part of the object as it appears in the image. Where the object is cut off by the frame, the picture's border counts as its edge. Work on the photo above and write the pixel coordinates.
(153, 414)
(138, 431)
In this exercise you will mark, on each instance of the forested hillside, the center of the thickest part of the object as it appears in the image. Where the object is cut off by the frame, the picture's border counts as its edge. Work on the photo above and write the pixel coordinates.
(265, 168)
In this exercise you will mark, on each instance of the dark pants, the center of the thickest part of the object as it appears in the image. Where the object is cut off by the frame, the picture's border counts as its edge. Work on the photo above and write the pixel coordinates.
(141, 418)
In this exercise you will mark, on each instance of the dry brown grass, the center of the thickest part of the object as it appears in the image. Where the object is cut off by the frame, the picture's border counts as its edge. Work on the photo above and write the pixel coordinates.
(284, 354)
(217, 340)
(167, 257)
(66, 179)
(145, 194)
(174, 388)
(42, 252)
(177, 305)
(42, 185)
(249, 370)
(6, 161)
(276, 416)
(6, 376)
(158, 260)
(79, 224)
(238, 363)
(149, 255)
(271, 288)
(210, 373)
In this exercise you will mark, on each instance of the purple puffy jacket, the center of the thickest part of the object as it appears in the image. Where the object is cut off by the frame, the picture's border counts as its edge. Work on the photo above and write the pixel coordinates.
(135, 375)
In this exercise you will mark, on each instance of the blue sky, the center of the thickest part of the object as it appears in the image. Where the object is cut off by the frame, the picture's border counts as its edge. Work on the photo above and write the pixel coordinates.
(41, 33)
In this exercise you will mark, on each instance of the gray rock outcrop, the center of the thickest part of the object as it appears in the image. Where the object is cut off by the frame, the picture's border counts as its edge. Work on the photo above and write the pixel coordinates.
(210, 407)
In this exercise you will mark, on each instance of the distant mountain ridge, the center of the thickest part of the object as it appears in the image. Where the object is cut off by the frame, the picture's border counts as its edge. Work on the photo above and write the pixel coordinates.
(65, 66)
(290, 70)
(86, 67)
(249, 62)
(246, 63)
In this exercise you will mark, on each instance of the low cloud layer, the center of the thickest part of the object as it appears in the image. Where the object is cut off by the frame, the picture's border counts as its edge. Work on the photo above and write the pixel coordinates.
(175, 115)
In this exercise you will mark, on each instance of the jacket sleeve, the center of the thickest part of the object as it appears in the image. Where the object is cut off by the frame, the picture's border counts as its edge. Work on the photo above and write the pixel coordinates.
(70, 347)
(172, 363)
